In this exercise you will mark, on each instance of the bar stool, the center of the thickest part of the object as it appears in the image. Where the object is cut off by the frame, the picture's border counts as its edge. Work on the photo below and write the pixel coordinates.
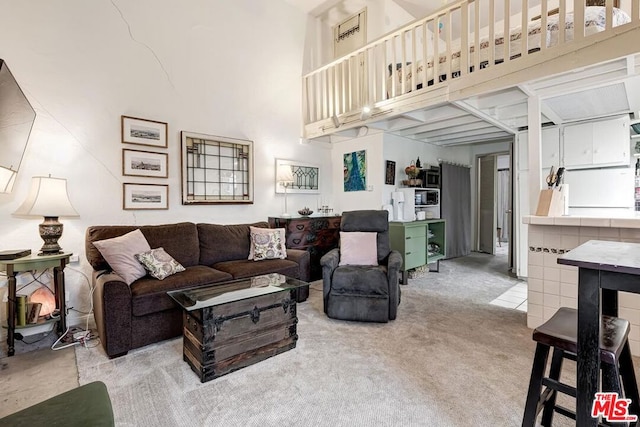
(560, 332)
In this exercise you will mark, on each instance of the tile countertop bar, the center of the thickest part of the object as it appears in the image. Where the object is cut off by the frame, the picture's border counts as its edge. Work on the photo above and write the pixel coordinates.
(551, 285)
(629, 221)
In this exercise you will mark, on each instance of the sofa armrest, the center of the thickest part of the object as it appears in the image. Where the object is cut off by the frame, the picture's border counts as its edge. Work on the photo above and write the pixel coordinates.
(329, 263)
(394, 263)
(303, 259)
(112, 312)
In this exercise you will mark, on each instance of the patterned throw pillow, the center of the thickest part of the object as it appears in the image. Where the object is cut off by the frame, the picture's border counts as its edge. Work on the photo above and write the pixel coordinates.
(159, 263)
(267, 243)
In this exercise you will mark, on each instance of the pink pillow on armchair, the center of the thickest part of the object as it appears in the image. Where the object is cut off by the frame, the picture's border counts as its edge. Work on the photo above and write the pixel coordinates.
(358, 248)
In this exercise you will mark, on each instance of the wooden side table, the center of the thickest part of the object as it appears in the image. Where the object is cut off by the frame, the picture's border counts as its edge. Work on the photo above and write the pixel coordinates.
(28, 263)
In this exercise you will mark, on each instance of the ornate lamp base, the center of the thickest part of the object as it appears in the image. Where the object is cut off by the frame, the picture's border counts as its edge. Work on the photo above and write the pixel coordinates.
(50, 232)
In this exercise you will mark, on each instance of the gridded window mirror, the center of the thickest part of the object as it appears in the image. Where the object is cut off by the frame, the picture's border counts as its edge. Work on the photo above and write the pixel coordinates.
(216, 170)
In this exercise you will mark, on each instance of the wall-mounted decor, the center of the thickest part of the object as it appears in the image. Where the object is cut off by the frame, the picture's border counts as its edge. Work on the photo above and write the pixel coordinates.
(144, 163)
(306, 177)
(355, 171)
(350, 34)
(216, 169)
(390, 173)
(145, 196)
(144, 132)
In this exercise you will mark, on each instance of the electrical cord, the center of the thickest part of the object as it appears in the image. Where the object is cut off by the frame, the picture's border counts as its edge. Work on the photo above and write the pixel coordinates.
(36, 280)
(87, 335)
(71, 344)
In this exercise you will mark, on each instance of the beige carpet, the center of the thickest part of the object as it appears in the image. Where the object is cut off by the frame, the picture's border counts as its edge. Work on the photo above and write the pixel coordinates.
(449, 359)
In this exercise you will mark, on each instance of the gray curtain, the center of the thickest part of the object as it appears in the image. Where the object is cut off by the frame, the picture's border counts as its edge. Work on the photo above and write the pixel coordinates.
(455, 195)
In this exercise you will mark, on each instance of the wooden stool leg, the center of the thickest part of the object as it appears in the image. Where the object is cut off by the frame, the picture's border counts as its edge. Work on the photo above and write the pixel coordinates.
(535, 385)
(611, 378)
(554, 374)
(629, 381)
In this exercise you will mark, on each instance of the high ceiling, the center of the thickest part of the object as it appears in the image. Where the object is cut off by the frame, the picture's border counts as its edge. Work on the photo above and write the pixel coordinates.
(497, 115)
(334, 11)
(591, 92)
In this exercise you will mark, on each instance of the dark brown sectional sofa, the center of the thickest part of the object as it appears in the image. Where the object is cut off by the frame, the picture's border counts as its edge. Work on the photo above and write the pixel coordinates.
(129, 317)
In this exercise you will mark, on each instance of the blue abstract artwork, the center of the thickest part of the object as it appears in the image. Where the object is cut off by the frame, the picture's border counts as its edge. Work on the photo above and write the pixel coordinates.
(355, 171)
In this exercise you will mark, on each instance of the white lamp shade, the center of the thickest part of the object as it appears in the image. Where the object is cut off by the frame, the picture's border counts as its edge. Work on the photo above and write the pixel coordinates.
(284, 174)
(47, 197)
(7, 178)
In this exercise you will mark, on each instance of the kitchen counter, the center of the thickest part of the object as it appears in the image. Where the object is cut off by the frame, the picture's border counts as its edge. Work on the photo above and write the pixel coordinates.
(632, 220)
(551, 286)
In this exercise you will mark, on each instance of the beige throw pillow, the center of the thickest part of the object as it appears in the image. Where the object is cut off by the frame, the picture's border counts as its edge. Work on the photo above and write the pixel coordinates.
(120, 253)
(358, 248)
(267, 243)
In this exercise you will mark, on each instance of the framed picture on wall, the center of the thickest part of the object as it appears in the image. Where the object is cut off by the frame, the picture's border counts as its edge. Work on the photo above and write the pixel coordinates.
(306, 177)
(144, 132)
(355, 171)
(390, 173)
(145, 196)
(144, 163)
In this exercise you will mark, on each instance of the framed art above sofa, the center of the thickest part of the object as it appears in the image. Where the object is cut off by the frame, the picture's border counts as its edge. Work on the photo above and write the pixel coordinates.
(216, 169)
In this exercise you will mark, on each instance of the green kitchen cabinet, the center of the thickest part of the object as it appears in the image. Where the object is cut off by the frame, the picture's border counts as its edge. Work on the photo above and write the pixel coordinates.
(419, 242)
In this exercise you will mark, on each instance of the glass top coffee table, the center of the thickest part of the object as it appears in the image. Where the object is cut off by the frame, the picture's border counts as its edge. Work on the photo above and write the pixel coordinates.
(230, 325)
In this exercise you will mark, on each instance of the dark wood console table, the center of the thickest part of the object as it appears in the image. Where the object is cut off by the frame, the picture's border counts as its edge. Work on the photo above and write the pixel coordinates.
(314, 234)
(603, 268)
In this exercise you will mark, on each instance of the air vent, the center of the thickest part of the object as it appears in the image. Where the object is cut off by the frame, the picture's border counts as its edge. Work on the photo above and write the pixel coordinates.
(597, 102)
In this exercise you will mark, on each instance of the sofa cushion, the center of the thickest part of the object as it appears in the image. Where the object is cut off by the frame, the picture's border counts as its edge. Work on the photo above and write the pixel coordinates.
(360, 280)
(219, 243)
(149, 295)
(267, 243)
(180, 240)
(120, 253)
(240, 269)
(159, 263)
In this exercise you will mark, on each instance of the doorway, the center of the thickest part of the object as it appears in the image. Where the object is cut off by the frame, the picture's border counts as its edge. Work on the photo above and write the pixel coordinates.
(494, 207)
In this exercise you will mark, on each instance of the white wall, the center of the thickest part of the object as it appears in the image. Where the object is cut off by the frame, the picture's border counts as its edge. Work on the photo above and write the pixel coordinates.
(354, 200)
(229, 68)
(403, 151)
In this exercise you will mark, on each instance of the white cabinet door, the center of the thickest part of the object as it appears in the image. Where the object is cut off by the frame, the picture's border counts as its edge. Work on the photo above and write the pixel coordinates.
(601, 143)
(550, 149)
(578, 145)
(611, 142)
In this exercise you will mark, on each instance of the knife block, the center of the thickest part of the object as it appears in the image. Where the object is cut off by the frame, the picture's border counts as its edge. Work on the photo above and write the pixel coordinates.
(550, 203)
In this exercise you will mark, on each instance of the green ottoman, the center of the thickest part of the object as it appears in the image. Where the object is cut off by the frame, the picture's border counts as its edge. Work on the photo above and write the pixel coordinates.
(87, 405)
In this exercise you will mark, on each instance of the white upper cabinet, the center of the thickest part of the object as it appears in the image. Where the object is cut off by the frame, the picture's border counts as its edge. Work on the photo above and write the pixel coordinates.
(602, 143)
(550, 148)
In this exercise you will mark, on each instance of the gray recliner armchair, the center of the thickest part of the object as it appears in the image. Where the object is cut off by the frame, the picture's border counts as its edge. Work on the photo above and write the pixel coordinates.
(363, 292)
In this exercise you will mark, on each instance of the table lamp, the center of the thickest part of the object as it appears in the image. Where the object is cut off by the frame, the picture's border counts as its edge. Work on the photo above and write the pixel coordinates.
(284, 177)
(48, 198)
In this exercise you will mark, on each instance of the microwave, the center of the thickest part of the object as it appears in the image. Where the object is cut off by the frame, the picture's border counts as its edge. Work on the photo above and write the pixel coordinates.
(430, 177)
(431, 197)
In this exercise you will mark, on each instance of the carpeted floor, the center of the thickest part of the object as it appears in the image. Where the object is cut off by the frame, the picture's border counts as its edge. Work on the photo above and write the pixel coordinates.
(449, 359)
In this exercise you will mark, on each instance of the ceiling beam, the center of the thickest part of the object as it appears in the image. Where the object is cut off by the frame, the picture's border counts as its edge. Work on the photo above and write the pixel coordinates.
(481, 115)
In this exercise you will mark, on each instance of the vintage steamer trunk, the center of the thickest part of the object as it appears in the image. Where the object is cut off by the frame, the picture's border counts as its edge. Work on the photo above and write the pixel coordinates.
(224, 338)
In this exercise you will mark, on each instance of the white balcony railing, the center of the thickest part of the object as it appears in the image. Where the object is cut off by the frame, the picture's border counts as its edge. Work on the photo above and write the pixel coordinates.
(426, 54)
